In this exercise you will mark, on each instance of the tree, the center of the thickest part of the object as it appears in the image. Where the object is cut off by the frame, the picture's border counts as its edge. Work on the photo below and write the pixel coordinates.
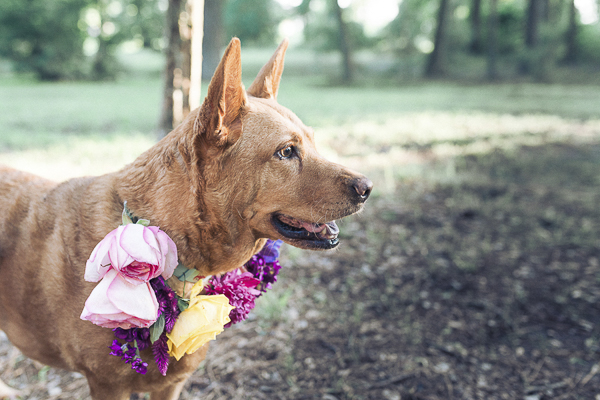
(344, 43)
(330, 30)
(183, 69)
(571, 35)
(532, 23)
(42, 36)
(492, 43)
(476, 46)
(252, 21)
(213, 37)
(436, 63)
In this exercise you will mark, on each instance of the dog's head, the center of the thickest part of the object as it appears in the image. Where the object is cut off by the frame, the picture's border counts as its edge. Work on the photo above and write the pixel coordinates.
(259, 163)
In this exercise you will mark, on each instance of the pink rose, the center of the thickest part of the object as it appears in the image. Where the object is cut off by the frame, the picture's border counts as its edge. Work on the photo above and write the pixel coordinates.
(116, 303)
(124, 262)
(138, 253)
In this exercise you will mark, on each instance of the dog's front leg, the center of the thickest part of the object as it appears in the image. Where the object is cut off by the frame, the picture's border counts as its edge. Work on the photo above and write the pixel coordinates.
(107, 391)
(170, 393)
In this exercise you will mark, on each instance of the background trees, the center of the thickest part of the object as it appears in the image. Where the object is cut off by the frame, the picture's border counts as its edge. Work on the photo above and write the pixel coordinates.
(475, 39)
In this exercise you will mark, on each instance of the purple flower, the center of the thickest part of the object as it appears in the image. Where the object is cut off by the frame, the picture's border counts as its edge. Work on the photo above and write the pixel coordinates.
(139, 366)
(139, 338)
(265, 266)
(270, 251)
(116, 349)
(240, 290)
(161, 354)
(141, 335)
(167, 302)
(129, 355)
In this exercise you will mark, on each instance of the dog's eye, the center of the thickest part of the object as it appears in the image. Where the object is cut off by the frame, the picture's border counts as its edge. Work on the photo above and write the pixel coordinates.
(286, 153)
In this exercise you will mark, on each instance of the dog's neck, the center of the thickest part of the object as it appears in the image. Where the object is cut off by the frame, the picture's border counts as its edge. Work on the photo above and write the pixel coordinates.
(165, 186)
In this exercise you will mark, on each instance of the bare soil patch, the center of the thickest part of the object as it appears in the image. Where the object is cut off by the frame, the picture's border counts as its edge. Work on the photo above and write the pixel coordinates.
(487, 287)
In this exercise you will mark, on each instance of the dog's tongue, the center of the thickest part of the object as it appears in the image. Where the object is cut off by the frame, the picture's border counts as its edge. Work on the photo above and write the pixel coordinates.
(324, 231)
(328, 230)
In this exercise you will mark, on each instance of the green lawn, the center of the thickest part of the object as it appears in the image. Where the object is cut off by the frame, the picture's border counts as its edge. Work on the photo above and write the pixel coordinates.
(66, 129)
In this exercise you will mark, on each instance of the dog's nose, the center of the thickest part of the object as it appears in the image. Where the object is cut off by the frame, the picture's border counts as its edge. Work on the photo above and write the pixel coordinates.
(363, 187)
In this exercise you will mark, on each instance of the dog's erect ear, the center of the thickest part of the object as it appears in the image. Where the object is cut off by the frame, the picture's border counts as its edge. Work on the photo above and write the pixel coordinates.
(227, 96)
(266, 83)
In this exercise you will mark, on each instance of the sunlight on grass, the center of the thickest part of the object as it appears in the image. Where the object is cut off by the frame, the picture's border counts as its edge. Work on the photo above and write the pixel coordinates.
(79, 156)
(391, 133)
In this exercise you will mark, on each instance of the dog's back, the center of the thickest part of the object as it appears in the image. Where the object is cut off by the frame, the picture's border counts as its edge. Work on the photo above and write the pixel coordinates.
(17, 190)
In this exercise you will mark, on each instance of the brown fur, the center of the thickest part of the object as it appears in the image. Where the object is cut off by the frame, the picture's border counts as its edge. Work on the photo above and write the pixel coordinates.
(212, 184)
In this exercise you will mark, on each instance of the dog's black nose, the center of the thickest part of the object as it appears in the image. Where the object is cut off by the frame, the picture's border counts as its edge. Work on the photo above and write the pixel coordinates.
(363, 187)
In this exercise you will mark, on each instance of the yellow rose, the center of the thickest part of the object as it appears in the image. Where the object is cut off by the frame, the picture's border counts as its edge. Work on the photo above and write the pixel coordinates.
(201, 322)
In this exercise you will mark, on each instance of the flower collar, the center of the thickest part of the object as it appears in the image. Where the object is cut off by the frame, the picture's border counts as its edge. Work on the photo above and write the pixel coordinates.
(149, 300)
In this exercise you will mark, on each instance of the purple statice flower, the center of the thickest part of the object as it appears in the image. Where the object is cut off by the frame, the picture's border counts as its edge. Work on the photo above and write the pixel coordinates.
(239, 288)
(264, 265)
(161, 354)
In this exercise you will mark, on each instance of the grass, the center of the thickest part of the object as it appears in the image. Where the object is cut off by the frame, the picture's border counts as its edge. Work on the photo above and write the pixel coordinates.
(390, 131)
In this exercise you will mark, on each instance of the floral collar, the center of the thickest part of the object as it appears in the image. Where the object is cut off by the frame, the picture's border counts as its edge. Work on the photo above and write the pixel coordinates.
(149, 300)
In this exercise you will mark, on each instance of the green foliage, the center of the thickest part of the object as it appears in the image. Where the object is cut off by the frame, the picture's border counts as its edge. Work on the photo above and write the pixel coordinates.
(322, 30)
(42, 36)
(415, 20)
(253, 21)
(75, 39)
(510, 27)
(589, 43)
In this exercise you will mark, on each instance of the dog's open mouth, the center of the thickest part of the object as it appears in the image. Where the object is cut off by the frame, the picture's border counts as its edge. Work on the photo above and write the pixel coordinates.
(309, 235)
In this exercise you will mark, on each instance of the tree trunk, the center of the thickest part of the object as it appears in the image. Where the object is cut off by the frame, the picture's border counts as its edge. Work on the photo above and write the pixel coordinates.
(492, 45)
(183, 64)
(165, 124)
(213, 37)
(344, 43)
(571, 35)
(436, 64)
(476, 46)
(531, 27)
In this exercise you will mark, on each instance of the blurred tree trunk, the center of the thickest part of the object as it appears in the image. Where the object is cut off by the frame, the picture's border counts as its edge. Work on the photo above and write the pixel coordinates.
(436, 63)
(571, 35)
(492, 45)
(530, 61)
(532, 22)
(183, 62)
(165, 124)
(213, 37)
(476, 45)
(344, 43)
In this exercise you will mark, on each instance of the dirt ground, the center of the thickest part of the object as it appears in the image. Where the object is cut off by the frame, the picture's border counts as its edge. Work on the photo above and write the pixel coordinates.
(486, 287)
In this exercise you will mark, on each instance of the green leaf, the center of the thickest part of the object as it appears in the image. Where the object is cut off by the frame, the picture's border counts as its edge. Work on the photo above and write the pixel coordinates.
(182, 304)
(144, 222)
(185, 274)
(157, 328)
(126, 216)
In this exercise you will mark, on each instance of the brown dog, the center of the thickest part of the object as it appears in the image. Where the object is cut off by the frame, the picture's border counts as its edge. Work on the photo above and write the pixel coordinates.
(238, 170)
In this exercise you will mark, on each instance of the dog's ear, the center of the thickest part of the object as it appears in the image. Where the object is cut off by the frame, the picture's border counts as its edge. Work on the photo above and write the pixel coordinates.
(266, 83)
(226, 97)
